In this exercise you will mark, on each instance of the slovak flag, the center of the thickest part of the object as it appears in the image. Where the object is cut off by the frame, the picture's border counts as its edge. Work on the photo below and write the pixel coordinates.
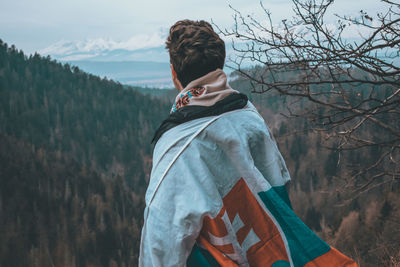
(217, 197)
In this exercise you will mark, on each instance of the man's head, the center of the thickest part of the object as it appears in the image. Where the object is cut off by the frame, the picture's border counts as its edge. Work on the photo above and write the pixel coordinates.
(195, 49)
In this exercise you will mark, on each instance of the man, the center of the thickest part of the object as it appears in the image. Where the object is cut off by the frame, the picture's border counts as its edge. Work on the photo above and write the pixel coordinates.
(217, 188)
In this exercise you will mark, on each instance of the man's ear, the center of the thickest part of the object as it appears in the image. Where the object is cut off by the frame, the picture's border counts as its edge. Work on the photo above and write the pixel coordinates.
(177, 83)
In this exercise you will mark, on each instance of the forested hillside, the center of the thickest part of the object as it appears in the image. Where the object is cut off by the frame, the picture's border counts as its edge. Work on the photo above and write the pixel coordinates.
(75, 157)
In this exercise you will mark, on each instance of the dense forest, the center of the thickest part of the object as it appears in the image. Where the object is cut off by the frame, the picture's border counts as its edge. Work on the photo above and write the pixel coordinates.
(75, 160)
(75, 157)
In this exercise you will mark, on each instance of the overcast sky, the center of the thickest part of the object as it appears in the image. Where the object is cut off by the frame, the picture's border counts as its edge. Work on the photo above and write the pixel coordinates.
(36, 24)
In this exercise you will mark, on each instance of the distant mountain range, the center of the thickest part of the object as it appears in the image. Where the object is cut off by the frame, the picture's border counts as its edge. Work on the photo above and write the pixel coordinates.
(137, 48)
(140, 61)
(68, 51)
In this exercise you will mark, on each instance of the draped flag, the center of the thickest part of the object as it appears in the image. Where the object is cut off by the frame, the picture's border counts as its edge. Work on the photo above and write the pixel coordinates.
(217, 197)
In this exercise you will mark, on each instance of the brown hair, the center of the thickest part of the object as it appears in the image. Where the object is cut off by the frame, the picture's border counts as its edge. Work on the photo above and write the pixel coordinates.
(195, 49)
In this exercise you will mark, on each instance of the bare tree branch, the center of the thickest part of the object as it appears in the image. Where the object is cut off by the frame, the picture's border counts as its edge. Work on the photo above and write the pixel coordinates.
(350, 87)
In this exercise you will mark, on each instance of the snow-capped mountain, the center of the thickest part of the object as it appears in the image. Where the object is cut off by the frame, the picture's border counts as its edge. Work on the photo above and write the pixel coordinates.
(136, 48)
(140, 60)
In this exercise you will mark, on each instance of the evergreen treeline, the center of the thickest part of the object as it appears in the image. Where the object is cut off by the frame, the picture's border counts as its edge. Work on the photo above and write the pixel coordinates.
(96, 121)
